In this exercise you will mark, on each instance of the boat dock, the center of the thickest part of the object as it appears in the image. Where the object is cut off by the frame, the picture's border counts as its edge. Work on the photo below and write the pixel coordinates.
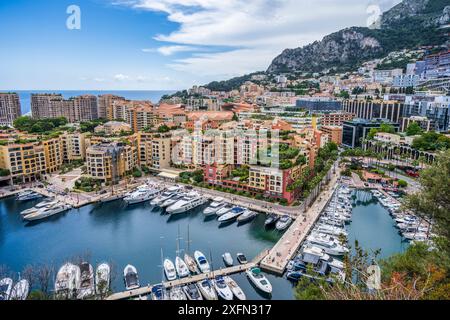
(280, 255)
(143, 291)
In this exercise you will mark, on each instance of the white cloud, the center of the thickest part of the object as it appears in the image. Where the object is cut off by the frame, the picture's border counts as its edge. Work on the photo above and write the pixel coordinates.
(121, 77)
(257, 30)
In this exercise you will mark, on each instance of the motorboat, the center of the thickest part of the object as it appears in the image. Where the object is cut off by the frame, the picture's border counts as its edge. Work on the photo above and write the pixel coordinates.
(47, 212)
(177, 294)
(87, 286)
(41, 205)
(159, 293)
(29, 196)
(181, 267)
(242, 259)
(225, 209)
(223, 291)
(328, 243)
(217, 204)
(142, 194)
(259, 280)
(102, 279)
(232, 215)
(131, 278)
(202, 262)
(206, 287)
(333, 231)
(169, 270)
(20, 290)
(189, 202)
(248, 215)
(228, 259)
(415, 236)
(284, 222)
(166, 195)
(67, 281)
(191, 264)
(172, 200)
(6, 286)
(271, 220)
(192, 292)
(319, 252)
(237, 291)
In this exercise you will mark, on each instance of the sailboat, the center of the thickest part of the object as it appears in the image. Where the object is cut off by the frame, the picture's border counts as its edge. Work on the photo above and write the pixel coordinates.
(180, 265)
(189, 260)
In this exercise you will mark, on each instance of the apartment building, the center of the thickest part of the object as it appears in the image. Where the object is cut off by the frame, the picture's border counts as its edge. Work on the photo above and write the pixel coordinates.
(105, 106)
(334, 133)
(155, 150)
(10, 108)
(73, 146)
(110, 162)
(77, 109)
(113, 128)
(375, 109)
(336, 118)
(53, 150)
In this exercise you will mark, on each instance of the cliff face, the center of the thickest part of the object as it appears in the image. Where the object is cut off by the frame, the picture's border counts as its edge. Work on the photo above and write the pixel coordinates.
(407, 25)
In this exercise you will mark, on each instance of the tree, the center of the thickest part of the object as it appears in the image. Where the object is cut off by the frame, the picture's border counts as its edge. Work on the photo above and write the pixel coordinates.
(402, 183)
(433, 202)
(413, 129)
(163, 129)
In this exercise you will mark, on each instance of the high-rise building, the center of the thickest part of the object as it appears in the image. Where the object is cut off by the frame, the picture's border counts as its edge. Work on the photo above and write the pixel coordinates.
(375, 109)
(105, 106)
(77, 109)
(9, 108)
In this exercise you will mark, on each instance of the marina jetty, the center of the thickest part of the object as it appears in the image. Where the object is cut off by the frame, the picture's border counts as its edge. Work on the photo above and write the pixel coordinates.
(144, 291)
(280, 255)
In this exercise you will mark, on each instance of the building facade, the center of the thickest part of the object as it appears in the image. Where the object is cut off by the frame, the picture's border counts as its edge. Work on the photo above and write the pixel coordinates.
(10, 108)
(375, 109)
(355, 132)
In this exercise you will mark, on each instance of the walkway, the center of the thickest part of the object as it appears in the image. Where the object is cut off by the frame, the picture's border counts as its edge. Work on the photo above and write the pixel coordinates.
(193, 279)
(288, 245)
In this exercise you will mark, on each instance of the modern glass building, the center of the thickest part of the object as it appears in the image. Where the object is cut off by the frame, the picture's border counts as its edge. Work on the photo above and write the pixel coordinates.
(355, 131)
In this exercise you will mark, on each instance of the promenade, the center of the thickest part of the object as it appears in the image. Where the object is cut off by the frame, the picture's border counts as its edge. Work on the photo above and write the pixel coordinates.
(280, 255)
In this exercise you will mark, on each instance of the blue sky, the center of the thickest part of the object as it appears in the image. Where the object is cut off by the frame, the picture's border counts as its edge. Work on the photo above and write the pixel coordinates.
(158, 44)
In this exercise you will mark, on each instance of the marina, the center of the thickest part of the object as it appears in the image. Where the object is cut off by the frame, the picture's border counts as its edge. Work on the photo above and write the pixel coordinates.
(135, 218)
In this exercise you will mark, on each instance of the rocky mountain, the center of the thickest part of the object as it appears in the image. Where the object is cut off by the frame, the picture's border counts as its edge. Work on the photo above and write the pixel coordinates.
(409, 24)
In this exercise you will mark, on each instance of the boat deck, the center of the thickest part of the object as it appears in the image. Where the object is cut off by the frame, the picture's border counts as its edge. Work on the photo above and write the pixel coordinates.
(143, 291)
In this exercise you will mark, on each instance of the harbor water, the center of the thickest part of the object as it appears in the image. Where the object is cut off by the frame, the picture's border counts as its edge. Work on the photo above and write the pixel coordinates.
(134, 235)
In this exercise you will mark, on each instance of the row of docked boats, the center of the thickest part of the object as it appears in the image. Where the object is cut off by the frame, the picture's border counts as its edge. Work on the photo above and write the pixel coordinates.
(28, 195)
(11, 291)
(45, 209)
(411, 227)
(325, 245)
(80, 282)
(280, 223)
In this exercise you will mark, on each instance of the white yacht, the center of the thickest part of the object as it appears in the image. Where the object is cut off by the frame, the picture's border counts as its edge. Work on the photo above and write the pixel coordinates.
(232, 215)
(333, 231)
(228, 259)
(217, 204)
(172, 200)
(102, 279)
(284, 222)
(202, 262)
(191, 264)
(177, 294)
(169, 270)
(29, 195)
(328, 243)
(41, 205)
(87, 286)
(131, 278)
(67, 280)
(259, 280)
(20, 290)
(166, 195)
(248, 215)
(6, 286)
(192, 292)
(237, 291)
(181, 267)
(222, 289)
(225, 209)
(206, 288)
(319, 252)
(142, 194)
(47, 212)
(189, 202)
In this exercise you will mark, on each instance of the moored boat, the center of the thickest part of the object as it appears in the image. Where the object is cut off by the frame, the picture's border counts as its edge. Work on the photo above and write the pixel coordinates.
(87, 287)
(259, 280)
(284, 222)
(248, 215)
(231, 215)
(206, 288)
(217, 204)
(20, 290)
(225, 209)
(169, 270)
(228, 259)
(131, 277)
(102, 278)
(67, 281)
(181, 267)
(177, 294)
(191, 264)
(202, 262)
(192, 292)
(237, 291)
(223, 291)
(6, 286)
